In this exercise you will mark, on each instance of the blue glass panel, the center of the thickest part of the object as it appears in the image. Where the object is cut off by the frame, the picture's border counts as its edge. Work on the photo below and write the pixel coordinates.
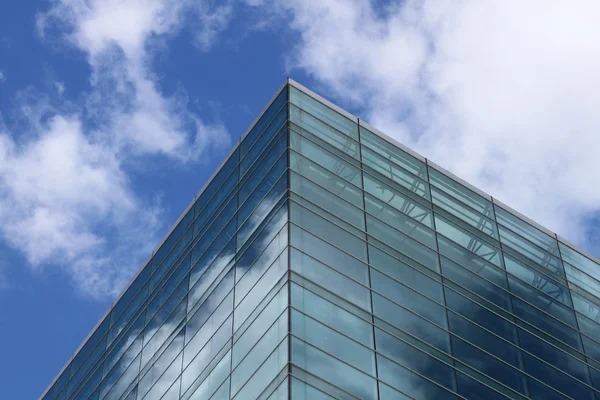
(328, 368)
(228, 177)
(177, 233)
(473, 281)
(212, 381)
(472, 389)
(410, 383)
(402, 243)
(580, 261)
(205, 253)
(137, 286)
(302, 391)
(277, 125)
(555, 379)
(489, 366)
(58, 384)
(263, 122)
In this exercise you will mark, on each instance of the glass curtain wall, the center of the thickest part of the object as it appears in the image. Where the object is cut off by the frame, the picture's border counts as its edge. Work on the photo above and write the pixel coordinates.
(323, 261)
(207, 317)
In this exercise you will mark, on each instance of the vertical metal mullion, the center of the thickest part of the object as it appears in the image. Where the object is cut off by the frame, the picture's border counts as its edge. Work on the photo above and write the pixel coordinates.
(510, 300)
(574, 311)
(237, 199)
(362, 184)
(439, 258)
(289, 253)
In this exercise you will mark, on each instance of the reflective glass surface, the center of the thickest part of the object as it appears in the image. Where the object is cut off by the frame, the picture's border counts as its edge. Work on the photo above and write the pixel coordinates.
(323, 261)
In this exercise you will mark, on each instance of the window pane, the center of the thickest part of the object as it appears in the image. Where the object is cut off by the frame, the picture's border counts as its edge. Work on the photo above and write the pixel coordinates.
(324, 131)
(461, 193)
(263, 122)
(324, 113)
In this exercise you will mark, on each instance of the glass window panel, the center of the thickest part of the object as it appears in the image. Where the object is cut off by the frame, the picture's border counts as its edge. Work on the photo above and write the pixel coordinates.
(410, 327)
(90, 347)
(460, 192)
(408, 297)
(327, 339)
(319, 308)
(275, 127)
(125, 349)
(327, 201)
(395, 173)
(408, 382)
(302, 391)
(264, 121)
(465, 213)
(265, 373)
(329, 255)
(527, 231)
(324, 178)
(265, 222)
(399, 221)
(393, 153)
(489, 366)
(265, 174)
(473, 281)
(472, 389)
(336, 372)
(559, 330)
(178, 250)
(209, 339)
(213, 381)
(402, 243)
(130, 374)
(219, 274)
(531, 251)
(411, 276)
(481, 316)
(58, 384)
(329, 278)
(251, 335)
(198, 362)
(137, 288)
(324, 131)
(168, 244)
(592, 311)
(259, 290)
(227, 176)
(324, 113)
(179, 277)
(468, 240)
(322, 157)
(387, 393)
(582, 280)
(84, 391)
(221, 208)
(222, 392)
(87, 366)
(205, 253)
(548, 291)
(556, 379)
(414, 360)
(580, 261)
(325, 229)
(397, 198)
(261, 351)
(164, 382)
(249, 270)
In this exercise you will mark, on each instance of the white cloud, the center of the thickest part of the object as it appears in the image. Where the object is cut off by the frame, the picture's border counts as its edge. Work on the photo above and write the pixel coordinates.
(66, 198)
(2, 77)
(503, 94)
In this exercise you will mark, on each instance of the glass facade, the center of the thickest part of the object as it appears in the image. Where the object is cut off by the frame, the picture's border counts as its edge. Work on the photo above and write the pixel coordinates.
(324, 261)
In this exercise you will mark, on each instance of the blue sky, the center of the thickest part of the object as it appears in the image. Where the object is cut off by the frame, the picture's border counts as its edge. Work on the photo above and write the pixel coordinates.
(113, 113)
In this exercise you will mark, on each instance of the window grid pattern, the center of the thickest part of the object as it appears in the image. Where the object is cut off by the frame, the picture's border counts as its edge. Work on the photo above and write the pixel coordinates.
(324, 262)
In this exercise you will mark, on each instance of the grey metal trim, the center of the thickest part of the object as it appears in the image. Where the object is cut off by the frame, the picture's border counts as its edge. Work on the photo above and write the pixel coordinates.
(208, 181)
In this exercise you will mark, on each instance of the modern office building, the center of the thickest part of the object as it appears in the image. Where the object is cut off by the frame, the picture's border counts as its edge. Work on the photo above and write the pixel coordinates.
(323, 260)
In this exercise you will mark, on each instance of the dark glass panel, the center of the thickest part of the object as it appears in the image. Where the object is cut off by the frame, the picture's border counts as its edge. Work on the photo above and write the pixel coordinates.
(264, 121)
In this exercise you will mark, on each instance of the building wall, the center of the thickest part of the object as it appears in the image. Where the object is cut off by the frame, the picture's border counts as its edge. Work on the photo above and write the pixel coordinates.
(324, 261)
